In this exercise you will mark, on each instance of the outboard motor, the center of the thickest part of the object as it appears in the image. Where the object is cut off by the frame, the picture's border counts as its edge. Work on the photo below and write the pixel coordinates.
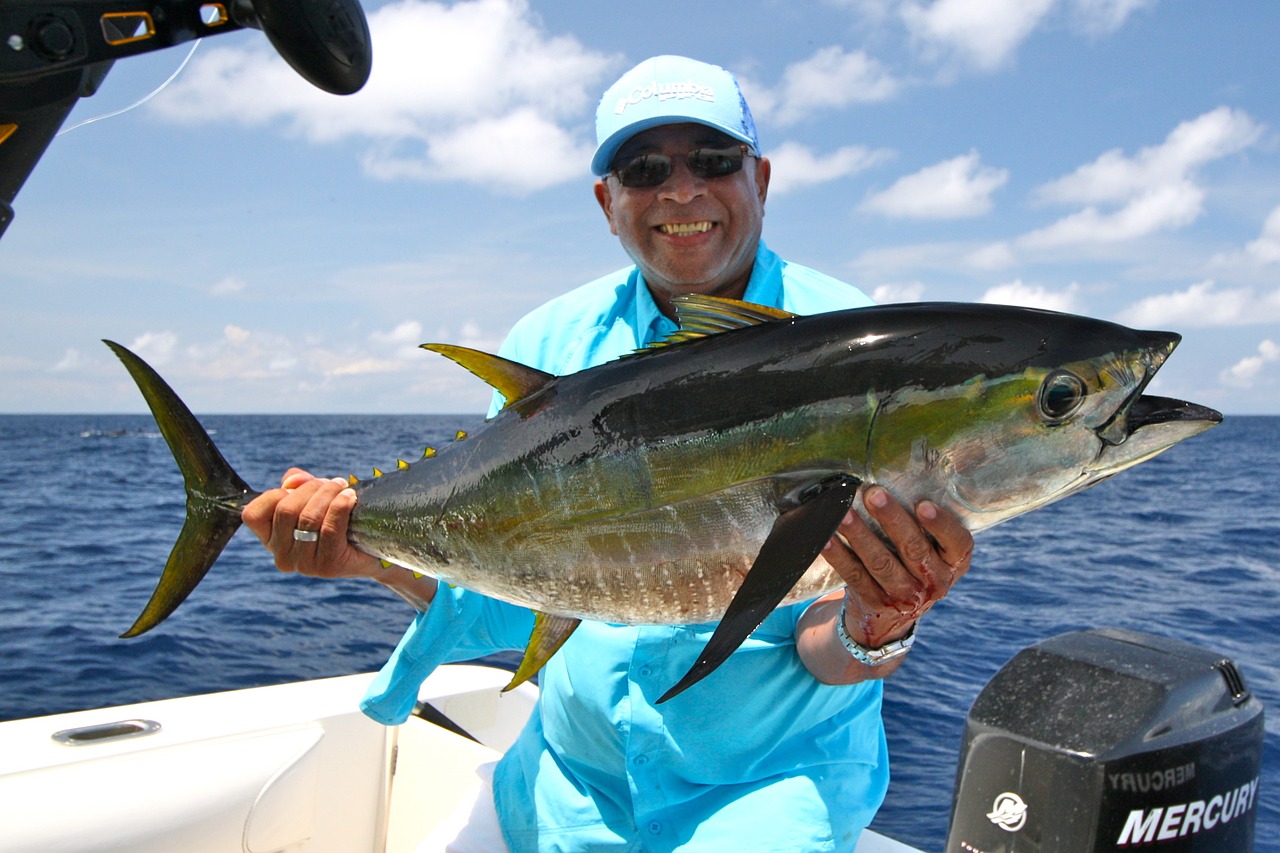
(1109, 740)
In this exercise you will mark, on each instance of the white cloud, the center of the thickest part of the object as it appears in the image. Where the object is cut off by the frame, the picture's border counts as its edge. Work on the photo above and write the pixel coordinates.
(1018, 292)
(235, 334)
(1266, 249)
(454, 89)
(156, 348)
(1157, 209)
(71, 360)
(953, 189)
(909, 291)
(403, 343)
(1203, 304)
(796, 166)
(480, 152)
(983, 34)
(1113, 177)
(1155, 190)
(994, 256)
(229, 286)
(1243, 373)
(1099, 17)
(830, 79)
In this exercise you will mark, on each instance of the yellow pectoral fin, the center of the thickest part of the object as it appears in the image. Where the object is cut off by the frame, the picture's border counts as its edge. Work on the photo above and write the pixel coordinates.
(549, 634)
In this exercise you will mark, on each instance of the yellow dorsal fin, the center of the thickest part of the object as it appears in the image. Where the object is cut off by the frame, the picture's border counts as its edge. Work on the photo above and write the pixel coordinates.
(514, 381)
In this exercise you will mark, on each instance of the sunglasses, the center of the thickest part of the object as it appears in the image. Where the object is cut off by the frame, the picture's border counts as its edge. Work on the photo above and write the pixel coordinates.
(652, 170)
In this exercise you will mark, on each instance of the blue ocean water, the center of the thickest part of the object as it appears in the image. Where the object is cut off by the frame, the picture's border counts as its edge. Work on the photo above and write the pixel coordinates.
(1185, 546)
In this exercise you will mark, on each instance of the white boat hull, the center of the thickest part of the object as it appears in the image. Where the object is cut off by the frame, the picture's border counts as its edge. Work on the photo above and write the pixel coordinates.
(294, 768)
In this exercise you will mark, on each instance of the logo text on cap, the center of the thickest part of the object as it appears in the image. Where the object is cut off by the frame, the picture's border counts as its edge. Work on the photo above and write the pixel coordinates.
(666, 92)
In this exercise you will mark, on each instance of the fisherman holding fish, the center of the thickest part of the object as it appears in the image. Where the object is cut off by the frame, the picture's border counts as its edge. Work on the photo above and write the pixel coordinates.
(782, 747)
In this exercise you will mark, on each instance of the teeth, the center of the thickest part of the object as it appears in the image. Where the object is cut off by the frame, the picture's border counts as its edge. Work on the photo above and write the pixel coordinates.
(685, 227)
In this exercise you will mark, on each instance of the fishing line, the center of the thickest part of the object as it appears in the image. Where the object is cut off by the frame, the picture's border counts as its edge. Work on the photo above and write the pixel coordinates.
(140, 101)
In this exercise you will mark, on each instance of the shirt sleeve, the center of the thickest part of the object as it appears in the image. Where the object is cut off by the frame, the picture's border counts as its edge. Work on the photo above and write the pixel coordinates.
(459, 625)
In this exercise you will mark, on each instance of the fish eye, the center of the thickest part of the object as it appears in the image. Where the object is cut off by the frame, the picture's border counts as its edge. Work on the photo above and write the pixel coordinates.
(1061, 394)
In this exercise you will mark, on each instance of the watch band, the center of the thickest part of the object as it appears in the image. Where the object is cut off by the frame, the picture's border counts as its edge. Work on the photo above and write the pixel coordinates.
(873, 657)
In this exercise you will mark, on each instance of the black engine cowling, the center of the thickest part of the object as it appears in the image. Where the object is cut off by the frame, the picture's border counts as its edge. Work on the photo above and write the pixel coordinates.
(1109, 740)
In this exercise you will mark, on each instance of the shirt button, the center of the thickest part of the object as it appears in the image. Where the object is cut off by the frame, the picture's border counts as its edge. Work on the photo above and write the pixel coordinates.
(645, 672)
(655, 827)
(640, 760)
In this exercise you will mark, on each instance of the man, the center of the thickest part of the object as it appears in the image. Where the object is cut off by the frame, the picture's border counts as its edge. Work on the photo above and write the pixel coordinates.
(782, 748)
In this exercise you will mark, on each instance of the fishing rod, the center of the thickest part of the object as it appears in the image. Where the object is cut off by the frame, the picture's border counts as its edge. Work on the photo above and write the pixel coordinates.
(52, 54)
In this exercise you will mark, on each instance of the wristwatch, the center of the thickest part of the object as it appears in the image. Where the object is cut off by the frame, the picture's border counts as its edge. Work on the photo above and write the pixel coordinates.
(873, 657)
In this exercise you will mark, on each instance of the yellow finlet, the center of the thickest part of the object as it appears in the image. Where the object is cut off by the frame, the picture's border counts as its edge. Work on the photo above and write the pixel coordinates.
(460, 435)
(428, 453)
(377, 472)
(352, 479)
(402, 465)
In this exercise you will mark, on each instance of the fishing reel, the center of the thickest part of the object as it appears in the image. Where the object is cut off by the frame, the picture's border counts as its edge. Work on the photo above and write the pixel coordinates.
(54, 53)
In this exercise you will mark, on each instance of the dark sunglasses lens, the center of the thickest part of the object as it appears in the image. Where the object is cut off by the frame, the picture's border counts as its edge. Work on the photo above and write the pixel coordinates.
(715, 162)
(647, 170)
(651, 170)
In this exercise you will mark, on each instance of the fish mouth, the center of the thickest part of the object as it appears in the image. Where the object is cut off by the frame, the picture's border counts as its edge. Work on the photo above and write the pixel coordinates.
(1134, 413)
(1145, 425)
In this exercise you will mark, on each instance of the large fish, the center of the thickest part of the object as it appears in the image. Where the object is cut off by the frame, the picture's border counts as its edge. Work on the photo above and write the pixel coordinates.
(698, 480)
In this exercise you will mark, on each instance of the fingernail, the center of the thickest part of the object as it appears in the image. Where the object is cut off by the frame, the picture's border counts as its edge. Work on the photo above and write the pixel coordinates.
(877, 497)
(927, 510)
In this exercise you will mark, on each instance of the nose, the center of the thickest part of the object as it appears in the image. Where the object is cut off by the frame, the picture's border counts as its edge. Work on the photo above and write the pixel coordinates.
(683, 186)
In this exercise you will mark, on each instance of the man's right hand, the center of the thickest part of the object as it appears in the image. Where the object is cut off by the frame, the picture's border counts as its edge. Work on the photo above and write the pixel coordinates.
(308, 503)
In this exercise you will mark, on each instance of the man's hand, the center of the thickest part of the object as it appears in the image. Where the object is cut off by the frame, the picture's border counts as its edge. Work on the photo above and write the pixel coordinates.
(323, 507)
(310, 504)
(890, 585)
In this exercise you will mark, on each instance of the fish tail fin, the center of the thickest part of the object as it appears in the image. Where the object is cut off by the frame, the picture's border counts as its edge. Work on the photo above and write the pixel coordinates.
(215, 494)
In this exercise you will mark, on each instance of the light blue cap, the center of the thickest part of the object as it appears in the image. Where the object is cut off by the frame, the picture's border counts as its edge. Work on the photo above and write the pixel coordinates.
(669, 90)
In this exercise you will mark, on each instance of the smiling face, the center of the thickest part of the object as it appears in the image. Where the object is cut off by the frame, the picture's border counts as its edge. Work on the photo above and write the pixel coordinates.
(689, 234)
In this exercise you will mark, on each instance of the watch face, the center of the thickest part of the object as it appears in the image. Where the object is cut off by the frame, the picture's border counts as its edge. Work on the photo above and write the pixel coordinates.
(889, 652)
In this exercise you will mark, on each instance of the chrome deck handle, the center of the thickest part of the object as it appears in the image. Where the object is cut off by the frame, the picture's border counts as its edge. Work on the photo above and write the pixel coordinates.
(106, 732)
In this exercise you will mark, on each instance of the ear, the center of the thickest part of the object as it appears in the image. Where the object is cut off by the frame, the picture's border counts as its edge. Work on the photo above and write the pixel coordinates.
(763, 170)
(605, 199)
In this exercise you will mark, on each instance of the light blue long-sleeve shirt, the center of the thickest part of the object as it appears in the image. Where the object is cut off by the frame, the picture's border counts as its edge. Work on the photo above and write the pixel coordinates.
(757, 756)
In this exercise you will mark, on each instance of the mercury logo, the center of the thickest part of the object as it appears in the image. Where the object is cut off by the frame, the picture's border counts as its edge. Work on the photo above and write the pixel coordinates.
(1008, 812)
(1181, 819)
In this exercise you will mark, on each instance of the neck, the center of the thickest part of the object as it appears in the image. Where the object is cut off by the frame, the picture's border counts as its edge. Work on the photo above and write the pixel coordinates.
(662, 296)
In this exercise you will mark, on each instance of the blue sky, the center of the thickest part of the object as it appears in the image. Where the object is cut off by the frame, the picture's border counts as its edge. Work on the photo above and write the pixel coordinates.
(271, 248)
